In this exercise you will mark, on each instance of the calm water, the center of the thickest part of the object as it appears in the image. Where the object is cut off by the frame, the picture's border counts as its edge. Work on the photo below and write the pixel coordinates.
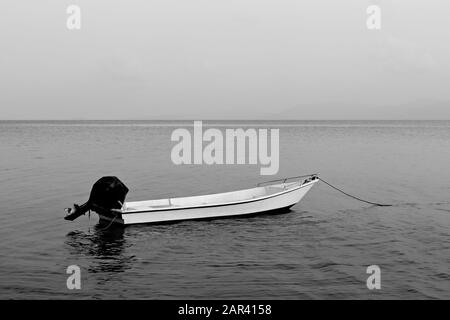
(319, 250)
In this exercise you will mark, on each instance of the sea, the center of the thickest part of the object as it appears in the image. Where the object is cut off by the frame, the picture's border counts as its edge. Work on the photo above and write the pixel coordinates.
(326, 247)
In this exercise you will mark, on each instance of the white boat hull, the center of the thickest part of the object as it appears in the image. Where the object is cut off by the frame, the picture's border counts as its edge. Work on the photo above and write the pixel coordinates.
(284, 197)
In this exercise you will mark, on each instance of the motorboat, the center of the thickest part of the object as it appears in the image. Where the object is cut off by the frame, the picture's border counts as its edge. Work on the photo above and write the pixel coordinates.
(108, 201)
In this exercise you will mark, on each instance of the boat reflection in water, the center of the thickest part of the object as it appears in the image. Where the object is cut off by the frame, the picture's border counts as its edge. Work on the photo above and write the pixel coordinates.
(102, 250)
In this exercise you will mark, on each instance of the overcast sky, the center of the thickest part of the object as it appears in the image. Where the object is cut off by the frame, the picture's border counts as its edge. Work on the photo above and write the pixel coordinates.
(232, 59)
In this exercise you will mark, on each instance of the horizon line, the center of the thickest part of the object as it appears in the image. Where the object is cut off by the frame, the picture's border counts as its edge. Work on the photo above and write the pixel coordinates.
(98, 119)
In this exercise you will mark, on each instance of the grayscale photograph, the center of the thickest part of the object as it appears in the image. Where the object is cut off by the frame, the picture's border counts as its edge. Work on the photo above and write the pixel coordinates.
(237, 153)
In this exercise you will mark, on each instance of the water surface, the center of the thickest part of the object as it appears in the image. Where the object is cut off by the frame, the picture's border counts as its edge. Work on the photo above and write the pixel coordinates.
(319, 250)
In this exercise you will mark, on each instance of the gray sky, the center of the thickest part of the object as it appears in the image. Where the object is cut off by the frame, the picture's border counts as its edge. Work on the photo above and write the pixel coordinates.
(232, 59)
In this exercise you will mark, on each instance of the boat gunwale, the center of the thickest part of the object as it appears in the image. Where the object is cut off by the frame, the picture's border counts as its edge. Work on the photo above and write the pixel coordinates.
(220, 204)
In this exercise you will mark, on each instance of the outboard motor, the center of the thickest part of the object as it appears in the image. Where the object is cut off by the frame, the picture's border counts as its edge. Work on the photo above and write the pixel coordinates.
(107, 193)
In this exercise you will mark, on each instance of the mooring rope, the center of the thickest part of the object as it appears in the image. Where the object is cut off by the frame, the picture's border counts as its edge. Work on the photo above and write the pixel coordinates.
(349, 195)
(109, 225)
